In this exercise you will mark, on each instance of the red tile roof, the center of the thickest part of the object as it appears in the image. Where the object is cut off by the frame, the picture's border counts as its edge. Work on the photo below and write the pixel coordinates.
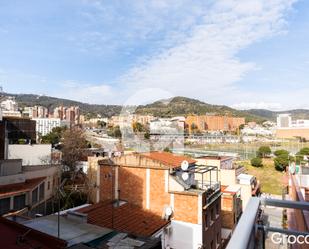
(10, 232)
(167, 158)
(126, 218)
(16, 188)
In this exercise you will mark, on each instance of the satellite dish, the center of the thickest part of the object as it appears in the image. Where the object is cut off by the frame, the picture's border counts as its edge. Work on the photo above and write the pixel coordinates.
(184, 165)
(185, 176)
(168, 211)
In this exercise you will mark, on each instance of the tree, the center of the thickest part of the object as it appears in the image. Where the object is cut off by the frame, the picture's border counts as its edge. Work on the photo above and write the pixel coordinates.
(304, 152)
(138, 127)
(264, 151)
(281, 152)
(281, 162)
(101, 124)
(241, 127)
(194, 128)
(73, 148)
(114, 131)
(256, 162)
(300, 155)
(54, 136)
(147, 135)
(167, 149)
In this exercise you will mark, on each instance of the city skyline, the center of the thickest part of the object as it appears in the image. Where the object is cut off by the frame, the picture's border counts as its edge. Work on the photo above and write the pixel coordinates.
(233, 53)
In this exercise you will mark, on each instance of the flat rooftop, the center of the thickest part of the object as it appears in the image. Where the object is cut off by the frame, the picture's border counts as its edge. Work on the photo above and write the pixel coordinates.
(72, 231)
(18, 236)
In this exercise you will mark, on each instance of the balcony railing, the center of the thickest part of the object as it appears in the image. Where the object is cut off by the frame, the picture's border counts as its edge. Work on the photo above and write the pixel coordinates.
(250, 233)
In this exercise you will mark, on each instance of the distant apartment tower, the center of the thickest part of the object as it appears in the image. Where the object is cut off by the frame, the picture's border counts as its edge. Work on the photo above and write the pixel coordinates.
(45, 125)
(69, 114)
(72, 114)
(284, 121)
(36, 111)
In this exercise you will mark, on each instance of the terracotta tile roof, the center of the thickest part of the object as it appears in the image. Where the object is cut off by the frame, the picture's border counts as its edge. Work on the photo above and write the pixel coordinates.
(10, 232)
(167, 158)
(16, 188)
(126, 218)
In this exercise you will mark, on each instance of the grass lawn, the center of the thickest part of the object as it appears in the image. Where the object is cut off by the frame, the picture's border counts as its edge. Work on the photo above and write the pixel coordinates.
(271, 180)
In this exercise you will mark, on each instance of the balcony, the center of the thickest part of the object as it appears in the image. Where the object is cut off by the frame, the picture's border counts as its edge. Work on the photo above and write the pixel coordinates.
(251, 232)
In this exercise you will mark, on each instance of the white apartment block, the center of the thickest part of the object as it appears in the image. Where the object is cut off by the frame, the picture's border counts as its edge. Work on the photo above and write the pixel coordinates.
(284, 121)
(45, 125)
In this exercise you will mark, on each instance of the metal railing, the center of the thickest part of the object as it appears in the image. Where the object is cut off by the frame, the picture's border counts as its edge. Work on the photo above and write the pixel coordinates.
(244, 235)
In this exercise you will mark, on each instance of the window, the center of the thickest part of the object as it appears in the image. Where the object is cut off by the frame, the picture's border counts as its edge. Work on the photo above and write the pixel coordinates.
(4, 205)
(218, 239)
(35, 196)
(212, 214)
(19, 202)
(41, 191)
(218, 209)
(206, 222)
(48, 185)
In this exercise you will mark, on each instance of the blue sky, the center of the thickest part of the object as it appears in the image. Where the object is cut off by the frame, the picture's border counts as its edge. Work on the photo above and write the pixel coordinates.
(245, 54)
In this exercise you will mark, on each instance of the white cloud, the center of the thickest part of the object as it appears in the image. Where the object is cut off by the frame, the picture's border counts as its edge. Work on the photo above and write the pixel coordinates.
(88, 93)
(185, 48)
(205, 64)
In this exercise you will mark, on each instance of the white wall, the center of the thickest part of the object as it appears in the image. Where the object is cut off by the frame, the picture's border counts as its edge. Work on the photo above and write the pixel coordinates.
(36, 154)
(183, 235)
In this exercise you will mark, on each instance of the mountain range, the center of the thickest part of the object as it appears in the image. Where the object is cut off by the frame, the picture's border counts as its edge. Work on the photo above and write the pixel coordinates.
(177, 106)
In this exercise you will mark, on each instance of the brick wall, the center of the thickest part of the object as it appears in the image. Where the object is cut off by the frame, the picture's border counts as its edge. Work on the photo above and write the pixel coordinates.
(159, 198)
(132, 185)
(212, 220)
(214, 123)
(107, 179)
(186, 208)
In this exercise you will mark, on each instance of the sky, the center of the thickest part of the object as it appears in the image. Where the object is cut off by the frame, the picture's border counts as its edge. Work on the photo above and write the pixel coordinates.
(240, 53)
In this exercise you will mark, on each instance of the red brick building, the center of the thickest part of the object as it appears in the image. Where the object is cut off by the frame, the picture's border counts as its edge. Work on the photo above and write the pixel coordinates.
(213, 123)
(157, 183)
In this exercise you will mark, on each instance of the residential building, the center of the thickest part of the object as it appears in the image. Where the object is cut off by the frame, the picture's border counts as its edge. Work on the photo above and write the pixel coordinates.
(69, 114)
(161, 186)
(254, 230)
(9, 107)
(36, 111)
(13, 130)
(28, 174)
(291, 129)
(284, 121)
(213, 123)
(72, 115)
(231, 206)
(142, 119)
(46, 125)
(231, 174)
(167, 126)
(27, 189)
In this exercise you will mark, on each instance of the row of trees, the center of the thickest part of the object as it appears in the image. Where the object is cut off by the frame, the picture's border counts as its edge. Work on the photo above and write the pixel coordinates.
(282, 158)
